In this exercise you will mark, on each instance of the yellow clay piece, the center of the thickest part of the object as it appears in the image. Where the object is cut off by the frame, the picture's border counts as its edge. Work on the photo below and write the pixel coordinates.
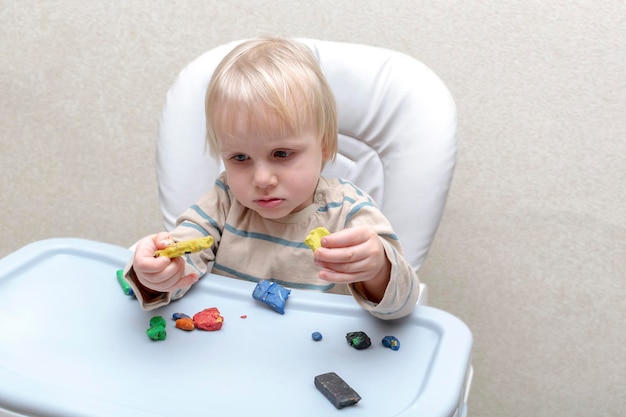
(185, 247)
(314, 239)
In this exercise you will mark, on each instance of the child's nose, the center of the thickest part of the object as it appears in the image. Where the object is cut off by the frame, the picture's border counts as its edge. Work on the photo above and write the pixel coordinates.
(264, 177)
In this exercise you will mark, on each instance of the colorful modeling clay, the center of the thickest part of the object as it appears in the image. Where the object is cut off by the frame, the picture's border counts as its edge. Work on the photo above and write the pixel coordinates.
(177, 316)
(123, 283)
(157, 328)
(208, 319)
(314, 239)
(185, 323)
(157, 321)
(338, 392)
(186, 247)
(358, 340)
(317, 336)
(391, 342)
(272, 294)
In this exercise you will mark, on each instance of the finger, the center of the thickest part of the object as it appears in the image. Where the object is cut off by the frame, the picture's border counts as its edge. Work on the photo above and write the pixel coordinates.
(345, 237)
(341, 255)
(148, 245)
(175, 283)
(163, 240)
(163, 285)
(145, 262)
(145, 246)
(356, 267)
(188, 280)
(173, 271)
(339, 277)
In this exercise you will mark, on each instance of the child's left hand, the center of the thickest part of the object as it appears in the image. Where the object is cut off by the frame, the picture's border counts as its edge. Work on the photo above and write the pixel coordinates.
(355, 255)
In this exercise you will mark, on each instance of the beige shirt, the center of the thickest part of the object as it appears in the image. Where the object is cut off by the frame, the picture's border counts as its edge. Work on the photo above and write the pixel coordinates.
(250, 247)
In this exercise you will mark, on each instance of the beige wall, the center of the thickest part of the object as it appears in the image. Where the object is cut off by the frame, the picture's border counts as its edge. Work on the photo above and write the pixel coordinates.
(531, 253)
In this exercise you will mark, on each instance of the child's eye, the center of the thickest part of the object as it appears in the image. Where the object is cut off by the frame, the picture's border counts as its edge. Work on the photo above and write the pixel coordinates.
(239, 157)
(282, 154)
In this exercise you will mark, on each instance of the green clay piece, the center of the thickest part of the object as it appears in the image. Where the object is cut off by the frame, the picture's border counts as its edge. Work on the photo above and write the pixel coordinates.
(157, 321)
(157, 328)
(123, 283)
(156, 333)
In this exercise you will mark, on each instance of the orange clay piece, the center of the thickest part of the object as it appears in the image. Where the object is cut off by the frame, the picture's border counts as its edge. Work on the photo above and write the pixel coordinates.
(185, 247)
(314, 239)
(185, 323)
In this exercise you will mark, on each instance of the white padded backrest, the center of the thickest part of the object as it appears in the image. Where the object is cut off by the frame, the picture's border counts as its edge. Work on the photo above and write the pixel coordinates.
(397, 136)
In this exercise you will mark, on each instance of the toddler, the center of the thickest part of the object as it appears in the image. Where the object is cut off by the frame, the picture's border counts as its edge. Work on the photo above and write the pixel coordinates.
(271, 117)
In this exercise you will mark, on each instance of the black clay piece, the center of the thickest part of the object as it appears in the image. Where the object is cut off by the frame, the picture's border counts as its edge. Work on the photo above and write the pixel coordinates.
(336, 390)
(358, 340)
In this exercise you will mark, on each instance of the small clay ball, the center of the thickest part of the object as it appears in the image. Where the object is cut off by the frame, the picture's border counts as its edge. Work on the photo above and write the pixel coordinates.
(185, 323)
(358, 340)
(177, 316)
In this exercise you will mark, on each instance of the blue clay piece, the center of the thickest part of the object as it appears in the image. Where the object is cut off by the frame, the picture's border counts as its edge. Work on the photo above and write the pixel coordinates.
(317, 336)
(177, 316)
(272, 294)
(391, 342)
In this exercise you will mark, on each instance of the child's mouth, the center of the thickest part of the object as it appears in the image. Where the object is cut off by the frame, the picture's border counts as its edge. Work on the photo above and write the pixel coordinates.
(269, 202)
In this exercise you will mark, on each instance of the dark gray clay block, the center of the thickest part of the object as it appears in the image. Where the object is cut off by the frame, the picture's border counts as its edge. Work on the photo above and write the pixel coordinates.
(338, 392)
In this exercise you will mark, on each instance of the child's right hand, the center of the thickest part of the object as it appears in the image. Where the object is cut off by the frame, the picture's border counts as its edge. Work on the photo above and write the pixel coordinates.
(161, 273)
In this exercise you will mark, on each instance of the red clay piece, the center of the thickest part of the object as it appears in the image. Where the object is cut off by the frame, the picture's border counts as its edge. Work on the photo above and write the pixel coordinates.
(208, 319)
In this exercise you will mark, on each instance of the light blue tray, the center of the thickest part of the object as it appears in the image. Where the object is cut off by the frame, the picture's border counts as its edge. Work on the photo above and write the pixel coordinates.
(73, 344)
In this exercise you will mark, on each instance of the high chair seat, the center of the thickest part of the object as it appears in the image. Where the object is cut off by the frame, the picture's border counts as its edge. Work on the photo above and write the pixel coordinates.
(397, 137)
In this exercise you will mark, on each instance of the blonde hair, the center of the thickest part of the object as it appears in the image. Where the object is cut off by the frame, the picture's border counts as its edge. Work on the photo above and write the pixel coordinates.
(271, 79)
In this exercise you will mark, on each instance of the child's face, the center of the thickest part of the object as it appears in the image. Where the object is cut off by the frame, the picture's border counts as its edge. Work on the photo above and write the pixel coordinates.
(275, 176)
